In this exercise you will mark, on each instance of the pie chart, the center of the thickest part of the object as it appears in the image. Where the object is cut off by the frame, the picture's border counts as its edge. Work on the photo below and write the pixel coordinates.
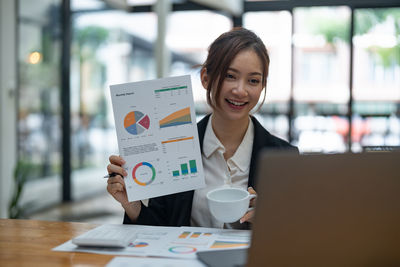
(136, 122)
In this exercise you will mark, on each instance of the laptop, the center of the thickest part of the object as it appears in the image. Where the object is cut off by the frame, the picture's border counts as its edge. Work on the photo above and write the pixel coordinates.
(324, 210)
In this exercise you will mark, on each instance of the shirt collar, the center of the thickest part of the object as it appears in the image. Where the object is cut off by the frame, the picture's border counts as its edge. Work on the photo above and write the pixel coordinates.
(242, 156)
(211, 142)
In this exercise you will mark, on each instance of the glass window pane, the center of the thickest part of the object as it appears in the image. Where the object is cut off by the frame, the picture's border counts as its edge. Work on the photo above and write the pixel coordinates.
(39, 132)
(376, 78)
(321, 78)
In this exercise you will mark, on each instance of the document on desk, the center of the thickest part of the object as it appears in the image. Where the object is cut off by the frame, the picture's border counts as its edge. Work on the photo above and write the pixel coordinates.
(171, 242)
(157, 136)
(153, 262)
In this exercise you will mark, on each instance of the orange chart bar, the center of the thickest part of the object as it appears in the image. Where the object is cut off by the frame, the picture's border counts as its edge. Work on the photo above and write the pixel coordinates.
(177, 140)
(184, 234)
(195, 235)
(228, 244)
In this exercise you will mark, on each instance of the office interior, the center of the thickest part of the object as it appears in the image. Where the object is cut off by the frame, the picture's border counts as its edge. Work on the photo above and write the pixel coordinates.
(333, 86)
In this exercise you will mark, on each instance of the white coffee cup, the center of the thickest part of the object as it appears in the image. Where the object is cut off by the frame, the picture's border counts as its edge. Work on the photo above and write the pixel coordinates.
(229, 204)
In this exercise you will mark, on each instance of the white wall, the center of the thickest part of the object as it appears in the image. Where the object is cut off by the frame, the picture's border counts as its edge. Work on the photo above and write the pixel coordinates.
(8, 118)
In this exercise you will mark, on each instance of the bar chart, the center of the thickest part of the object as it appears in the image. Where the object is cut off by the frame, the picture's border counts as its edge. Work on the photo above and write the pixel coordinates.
(185, 168)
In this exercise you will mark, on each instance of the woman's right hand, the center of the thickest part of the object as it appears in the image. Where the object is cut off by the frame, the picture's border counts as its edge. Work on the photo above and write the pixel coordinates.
(116, 184)
(116, 187)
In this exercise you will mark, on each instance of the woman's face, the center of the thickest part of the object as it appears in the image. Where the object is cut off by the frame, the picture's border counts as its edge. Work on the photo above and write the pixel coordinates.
(241, 87)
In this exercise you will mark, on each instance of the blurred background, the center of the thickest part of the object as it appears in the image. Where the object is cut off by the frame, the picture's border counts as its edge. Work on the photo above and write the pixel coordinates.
(333, 87)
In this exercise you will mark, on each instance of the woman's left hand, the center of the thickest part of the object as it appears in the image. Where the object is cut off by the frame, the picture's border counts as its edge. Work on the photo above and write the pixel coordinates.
(249, 216)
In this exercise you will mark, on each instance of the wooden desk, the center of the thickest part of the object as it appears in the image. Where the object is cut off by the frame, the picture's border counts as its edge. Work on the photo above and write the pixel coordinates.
(29, 243)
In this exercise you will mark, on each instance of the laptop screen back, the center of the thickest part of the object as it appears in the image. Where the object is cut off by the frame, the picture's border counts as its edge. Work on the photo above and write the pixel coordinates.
(327, 210)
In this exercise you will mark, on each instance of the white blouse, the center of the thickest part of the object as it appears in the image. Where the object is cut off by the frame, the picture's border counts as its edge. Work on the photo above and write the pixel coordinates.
(220, 172)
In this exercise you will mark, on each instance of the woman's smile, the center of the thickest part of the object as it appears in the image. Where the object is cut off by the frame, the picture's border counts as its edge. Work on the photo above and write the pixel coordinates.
(236, 104)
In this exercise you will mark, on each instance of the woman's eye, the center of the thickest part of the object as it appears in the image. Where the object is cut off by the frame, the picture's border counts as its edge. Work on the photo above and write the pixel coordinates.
(254, 81)
(229, 76)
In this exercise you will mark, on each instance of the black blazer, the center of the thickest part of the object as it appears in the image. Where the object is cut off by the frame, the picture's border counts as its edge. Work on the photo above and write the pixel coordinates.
(176, 209)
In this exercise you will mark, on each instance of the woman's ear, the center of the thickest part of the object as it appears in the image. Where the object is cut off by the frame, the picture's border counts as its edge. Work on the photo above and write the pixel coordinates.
(204, 78)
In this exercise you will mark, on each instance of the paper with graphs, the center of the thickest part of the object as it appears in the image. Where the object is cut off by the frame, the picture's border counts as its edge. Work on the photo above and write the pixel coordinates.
(157, 136)
(171, 242)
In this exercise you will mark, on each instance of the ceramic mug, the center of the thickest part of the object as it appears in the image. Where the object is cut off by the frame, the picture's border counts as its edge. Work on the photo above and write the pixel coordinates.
(229, 204)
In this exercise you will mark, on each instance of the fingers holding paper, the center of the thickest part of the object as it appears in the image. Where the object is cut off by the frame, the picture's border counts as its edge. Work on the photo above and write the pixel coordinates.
(115, 165)
(116, 183)
(116, 187)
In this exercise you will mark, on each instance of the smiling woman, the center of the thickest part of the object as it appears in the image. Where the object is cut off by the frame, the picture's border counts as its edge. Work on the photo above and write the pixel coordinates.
(234, 75)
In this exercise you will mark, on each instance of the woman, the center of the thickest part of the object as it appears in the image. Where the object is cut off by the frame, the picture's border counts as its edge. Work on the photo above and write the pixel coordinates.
(234, 75)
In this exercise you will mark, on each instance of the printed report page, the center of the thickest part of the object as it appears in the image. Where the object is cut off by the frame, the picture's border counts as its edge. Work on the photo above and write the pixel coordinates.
(157, 136)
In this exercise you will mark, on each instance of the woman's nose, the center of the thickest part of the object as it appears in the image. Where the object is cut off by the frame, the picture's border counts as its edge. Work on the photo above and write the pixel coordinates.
(240, 89)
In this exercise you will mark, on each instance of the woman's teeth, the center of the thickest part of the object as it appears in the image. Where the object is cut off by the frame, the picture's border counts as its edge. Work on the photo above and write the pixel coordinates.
(236, 103)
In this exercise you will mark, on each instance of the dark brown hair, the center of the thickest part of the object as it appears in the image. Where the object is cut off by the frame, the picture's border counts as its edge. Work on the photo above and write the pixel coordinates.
(221, 53)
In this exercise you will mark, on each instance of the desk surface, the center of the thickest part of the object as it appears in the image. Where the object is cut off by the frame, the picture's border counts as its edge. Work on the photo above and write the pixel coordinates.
(29, 243)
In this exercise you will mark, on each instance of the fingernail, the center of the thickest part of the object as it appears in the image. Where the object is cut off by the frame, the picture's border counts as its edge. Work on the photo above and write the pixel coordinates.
(240, 221)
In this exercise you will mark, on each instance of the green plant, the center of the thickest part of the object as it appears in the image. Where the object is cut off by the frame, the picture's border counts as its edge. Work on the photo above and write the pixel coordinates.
(21, 175)
(366, 20)
(333, 29)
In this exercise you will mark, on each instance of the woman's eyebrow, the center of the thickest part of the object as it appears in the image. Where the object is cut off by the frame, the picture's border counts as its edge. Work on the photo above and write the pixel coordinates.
(234, 70)
(251, 73)
(255, 73)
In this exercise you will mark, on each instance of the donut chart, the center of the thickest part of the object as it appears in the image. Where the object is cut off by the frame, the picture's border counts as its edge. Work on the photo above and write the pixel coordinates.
(182, 249)
(143, 173)
(136, 122)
